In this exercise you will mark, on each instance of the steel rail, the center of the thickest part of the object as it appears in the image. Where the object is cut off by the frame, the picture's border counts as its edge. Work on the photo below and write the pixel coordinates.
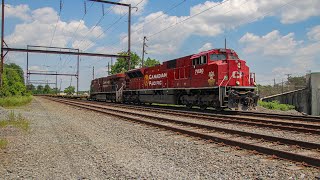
(304, 128)
(202, 115)
(304, 144)
(279, 153)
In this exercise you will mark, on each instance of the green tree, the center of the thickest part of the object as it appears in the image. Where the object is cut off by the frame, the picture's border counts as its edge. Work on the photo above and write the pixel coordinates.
(297, 82)
(39, 89)
(69, 90)
(55, 90)
(121, 65)
(13, 81)
(151, 62)
(31, 88)
(47, 89)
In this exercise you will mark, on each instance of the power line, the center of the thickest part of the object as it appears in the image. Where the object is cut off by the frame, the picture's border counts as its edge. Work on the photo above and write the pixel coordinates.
(55, 28)
(105, 31)
(188, 18)
(84, 15)
(114, 23)
(99, 21)
(167, 11)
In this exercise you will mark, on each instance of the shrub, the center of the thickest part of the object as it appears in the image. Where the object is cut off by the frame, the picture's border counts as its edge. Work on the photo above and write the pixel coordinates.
(13, 101)
(3, 143)
(14, 120)
(275, 105)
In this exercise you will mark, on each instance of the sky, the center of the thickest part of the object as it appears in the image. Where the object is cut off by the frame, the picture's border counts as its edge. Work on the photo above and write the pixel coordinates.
(274, 37)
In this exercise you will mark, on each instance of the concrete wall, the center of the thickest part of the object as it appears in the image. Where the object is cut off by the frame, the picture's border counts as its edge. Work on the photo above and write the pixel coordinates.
(299, 98)
(305, 100)
(314, 79)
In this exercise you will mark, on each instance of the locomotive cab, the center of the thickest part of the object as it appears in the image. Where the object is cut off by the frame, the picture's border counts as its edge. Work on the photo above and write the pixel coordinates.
(228, 78)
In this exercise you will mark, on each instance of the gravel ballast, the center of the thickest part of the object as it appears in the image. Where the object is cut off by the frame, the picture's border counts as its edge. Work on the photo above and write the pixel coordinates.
(70, 143)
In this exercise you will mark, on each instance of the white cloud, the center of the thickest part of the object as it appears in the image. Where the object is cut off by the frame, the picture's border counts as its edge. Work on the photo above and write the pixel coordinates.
(84, 44)
(19, 11)
(298, 11)
(140, 4)
(314, 33)
(37, 68)
(215, 19)
(299, 57)
(44, 23)
(270, 44)
(205, 47)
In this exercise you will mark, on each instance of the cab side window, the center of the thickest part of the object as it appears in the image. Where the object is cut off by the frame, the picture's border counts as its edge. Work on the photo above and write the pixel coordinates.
(200, 60)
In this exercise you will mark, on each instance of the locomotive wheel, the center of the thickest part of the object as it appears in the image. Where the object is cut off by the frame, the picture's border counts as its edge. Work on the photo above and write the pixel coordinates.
(219, 108)
(189, 106)
(203, 107)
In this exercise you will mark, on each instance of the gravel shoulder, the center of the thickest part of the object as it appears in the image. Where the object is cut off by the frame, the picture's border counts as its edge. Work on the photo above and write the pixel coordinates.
(70, 143)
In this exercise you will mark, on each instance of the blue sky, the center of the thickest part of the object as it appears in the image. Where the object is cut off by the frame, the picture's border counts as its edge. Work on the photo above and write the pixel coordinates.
(274, 37)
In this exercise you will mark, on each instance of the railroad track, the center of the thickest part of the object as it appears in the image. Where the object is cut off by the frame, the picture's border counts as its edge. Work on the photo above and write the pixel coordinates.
(296, 125)
(298, 151)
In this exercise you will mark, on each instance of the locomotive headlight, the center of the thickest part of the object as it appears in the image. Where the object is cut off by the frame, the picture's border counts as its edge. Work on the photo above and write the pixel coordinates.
(237, 83)
(239, 65)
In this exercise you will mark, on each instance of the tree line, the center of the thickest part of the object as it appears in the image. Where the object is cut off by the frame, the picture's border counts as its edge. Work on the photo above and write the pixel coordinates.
(121, 64)
(292, 83)
(14, 82)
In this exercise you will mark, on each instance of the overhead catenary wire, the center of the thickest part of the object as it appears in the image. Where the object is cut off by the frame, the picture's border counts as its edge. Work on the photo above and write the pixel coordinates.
(165, 12)
(84, 15)
(55, 28)
(96, 25)
(188, 18)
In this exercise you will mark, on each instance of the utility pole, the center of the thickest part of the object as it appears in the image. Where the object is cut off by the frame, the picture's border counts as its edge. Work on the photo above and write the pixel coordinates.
(129, 38)
(78, 72)
(288, 76)
(57, 83)
(274, 82)
(2, 41)
(143, 49)
(108, 69)
(60, 85)
(282, 85)
(92, 72)
(225, 43)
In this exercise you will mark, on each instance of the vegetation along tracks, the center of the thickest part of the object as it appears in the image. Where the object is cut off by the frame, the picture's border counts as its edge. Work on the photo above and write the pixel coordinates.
(306, 152)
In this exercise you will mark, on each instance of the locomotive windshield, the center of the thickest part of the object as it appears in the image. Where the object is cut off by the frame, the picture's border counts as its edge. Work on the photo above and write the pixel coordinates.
(231, 56)
(216, 57)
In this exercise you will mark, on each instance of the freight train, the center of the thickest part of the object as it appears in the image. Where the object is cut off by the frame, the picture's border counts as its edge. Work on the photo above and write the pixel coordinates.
(216, 78)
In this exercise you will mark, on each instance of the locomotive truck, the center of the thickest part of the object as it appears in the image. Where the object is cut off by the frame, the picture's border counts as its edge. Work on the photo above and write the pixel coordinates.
(216, 78)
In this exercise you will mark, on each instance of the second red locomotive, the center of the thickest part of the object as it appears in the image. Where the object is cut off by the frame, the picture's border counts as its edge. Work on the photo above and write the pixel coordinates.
(216, 78)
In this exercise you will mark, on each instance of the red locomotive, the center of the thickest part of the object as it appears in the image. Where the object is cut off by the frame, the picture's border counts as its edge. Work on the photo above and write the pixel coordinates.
(215, 78)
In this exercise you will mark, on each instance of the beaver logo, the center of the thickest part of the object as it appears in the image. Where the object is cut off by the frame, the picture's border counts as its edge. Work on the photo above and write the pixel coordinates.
(211, 81)
(146, 80)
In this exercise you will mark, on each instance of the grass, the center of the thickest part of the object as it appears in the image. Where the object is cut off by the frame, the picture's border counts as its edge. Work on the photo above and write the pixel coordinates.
(3, 143)
(14, 101)
(14, 120)
(275, 105)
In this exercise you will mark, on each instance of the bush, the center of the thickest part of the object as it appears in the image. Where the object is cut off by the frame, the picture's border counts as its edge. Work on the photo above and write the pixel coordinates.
(13, 101)
(3, 143)
(275, 105)
(14, 120)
